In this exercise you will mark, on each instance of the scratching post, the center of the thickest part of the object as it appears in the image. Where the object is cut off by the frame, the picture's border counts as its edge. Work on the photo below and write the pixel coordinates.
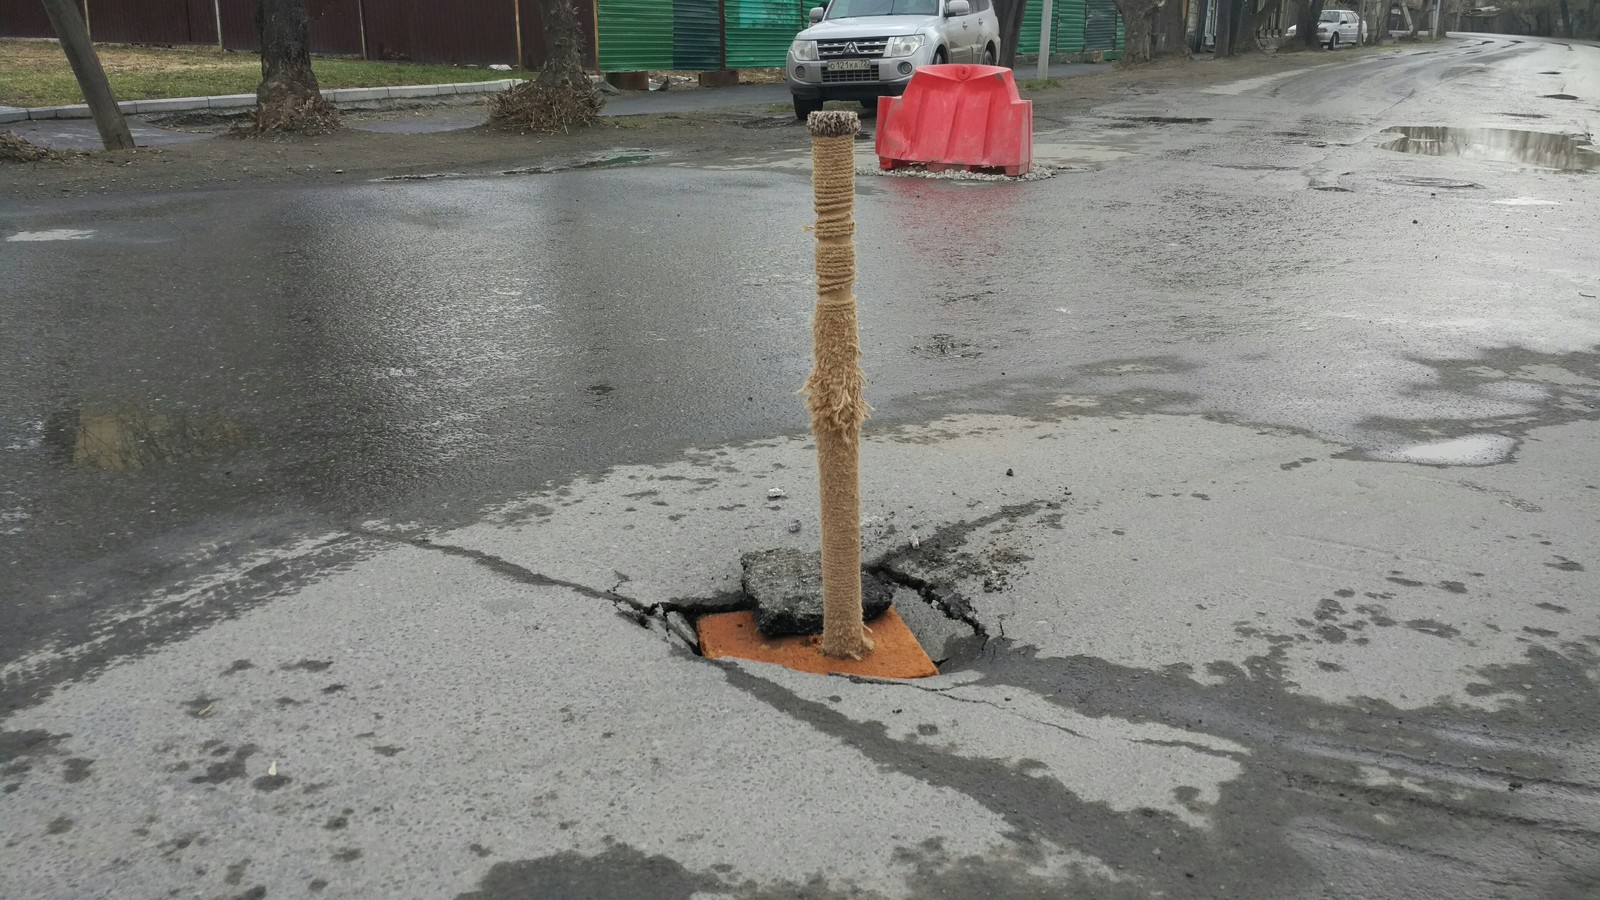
(834, 388)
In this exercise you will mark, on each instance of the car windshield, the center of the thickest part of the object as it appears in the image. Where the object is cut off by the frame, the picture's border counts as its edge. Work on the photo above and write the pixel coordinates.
(853, 9)
(1329, 15)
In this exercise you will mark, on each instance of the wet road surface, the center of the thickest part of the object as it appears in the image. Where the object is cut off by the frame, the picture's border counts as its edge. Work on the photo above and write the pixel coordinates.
(1390, 358)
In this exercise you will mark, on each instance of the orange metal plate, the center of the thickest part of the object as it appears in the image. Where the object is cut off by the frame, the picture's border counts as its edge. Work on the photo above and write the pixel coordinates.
(895, 653)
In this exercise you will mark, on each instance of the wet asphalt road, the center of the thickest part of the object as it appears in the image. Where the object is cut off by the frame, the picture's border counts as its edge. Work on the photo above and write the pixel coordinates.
(194, 378)
(260, 359)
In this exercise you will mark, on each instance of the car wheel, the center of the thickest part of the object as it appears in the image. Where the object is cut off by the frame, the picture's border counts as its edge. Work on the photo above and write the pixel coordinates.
(805, 106)
(939, 57)
(1333, 42)
(988, 55)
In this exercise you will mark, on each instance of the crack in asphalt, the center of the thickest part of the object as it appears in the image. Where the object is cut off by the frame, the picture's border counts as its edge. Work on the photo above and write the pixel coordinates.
(637, 610)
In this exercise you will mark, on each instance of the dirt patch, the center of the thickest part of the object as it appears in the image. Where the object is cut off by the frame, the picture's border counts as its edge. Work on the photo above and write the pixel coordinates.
(15, 148)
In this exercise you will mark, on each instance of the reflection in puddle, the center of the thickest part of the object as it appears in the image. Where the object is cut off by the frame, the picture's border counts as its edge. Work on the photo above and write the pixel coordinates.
(131, 438)
(1552, 151)
(1472, 450)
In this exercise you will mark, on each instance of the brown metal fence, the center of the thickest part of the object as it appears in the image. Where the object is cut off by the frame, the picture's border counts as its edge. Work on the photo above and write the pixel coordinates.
(463, 31)
(476, 32)
(25, 19)
(153, 21)
(335, 26)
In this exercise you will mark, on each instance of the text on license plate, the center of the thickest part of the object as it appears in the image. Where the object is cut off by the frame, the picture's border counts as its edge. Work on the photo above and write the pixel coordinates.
(849, 65)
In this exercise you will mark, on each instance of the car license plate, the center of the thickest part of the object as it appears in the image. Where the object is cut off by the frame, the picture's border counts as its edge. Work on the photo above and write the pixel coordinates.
(849, 65)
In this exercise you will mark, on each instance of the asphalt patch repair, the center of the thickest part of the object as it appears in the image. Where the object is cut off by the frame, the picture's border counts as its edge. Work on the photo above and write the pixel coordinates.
(895, 653)
(785, 586)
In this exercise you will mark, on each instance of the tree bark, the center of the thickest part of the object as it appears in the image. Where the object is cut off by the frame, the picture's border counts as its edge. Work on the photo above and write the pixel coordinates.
(1416, 22)
(1224, 28)
(1175, 24)
(1136, 23)
(1305, 30)
(1244, 27)
(288, 98)
(1010, 13)
(73, 33)
(562, 97)
(563, 42)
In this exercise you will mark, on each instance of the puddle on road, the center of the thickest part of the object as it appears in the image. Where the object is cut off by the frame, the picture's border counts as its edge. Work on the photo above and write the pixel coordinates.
(945, 346)
(1472, 450)
(1559, 96)
(1427, 181)
(54, 234)
(129, 437)
(1563, 152)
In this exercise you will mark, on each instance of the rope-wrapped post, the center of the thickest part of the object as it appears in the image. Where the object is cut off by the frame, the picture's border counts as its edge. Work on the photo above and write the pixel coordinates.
(834, 388)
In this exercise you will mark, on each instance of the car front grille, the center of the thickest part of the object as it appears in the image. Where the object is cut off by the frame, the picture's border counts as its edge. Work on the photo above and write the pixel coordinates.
(849, 77)
(857, 48)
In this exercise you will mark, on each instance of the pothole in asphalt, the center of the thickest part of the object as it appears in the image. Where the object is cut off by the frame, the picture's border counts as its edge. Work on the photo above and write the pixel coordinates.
(1559, 96)
(1136, 121)
(963, 176)
(1447, 184)
(1563, 152)
(1525, 115)
(623, 156)
(770, 122)
(1333, 188)
(945, 346)
(422, 176)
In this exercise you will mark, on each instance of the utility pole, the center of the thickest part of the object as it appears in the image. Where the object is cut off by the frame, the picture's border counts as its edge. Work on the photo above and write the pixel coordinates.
(73, 33)
(1044, 39)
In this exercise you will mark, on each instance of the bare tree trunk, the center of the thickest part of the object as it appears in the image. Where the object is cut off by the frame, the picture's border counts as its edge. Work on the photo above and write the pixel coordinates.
(1176, 23)
(1305, 30)
(563, 41)
(1267, 14)
(1224, 28)
(562, 97)
(1010, 13)
(288, 98)
(1136, 23)
(73, 33)
(1244, 28)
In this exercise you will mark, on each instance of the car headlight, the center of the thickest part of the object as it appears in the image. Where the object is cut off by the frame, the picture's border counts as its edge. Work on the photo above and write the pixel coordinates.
(805, 51)
(904, 45)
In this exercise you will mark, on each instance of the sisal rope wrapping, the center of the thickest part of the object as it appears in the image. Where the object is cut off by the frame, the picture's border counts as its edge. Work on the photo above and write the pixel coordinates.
(834, 390)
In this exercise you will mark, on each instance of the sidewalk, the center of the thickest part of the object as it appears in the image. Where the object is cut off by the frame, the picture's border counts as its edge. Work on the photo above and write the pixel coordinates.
(70, 127)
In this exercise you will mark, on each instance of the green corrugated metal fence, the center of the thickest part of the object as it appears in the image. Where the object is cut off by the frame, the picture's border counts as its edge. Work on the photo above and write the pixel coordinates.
(759, 31)
(1100, 21)
(1067, 28)
(635, 35)
(696, 35)
(643, 35)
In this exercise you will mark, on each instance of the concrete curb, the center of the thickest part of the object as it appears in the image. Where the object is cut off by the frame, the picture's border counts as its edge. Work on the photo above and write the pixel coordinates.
(235, 101)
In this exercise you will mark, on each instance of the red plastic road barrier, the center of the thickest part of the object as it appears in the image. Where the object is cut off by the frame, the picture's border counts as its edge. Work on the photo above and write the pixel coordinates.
(957, 117)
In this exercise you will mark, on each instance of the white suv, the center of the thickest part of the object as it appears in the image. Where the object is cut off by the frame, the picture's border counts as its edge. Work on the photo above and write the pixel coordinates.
(866, 49)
